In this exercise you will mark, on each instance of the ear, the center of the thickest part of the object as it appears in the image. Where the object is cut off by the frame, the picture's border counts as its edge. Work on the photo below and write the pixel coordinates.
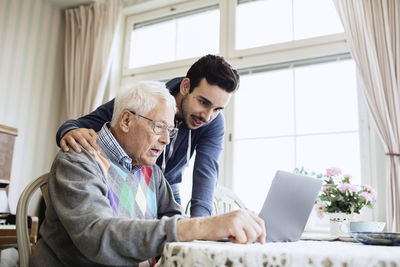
(126, 120)
(185, 86)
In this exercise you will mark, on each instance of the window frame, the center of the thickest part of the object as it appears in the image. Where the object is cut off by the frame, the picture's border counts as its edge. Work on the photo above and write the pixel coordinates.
(282, 53)
(154, 14)
(314, 224)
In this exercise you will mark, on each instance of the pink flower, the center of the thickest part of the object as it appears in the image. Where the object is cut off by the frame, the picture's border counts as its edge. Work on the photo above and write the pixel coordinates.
(353, 188)
(319, 208)
(348, 187)
(368, 197)
(333, 172)
(325, 188)
(369, 190)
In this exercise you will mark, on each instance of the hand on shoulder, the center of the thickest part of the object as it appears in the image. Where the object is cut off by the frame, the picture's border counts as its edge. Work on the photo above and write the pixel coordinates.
(87, 138)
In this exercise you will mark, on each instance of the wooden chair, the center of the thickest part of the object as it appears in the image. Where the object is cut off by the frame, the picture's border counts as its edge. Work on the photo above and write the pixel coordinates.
(225, 200)
(25, 244)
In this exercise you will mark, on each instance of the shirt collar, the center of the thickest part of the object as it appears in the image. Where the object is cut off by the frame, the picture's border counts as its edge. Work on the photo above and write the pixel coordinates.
(112, 145)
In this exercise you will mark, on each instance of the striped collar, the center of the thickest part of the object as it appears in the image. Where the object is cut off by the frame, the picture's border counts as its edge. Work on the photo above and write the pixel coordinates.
(112, 145)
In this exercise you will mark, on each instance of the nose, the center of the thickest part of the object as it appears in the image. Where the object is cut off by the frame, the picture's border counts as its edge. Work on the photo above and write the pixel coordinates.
(164, 138)
(208, 114)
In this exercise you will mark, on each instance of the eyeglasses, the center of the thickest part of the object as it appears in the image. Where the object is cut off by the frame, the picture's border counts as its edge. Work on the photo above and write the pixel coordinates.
(159, 127)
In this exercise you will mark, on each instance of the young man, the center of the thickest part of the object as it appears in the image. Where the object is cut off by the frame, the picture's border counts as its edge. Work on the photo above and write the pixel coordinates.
(114, 207)
(200, 97)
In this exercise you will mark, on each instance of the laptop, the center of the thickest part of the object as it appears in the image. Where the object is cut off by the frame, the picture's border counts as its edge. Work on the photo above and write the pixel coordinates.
(288, 205)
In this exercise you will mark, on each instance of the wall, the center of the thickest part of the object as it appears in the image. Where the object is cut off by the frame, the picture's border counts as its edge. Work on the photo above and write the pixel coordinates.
(31, 85)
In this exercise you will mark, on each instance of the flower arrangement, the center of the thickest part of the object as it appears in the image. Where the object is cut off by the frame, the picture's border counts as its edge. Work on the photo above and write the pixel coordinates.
(339, 195)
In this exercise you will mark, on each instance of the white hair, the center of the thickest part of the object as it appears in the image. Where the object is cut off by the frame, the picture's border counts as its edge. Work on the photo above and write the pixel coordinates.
(141, 98)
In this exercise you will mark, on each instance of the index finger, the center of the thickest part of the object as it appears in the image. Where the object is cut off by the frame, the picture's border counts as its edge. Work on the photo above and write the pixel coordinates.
(261, 223)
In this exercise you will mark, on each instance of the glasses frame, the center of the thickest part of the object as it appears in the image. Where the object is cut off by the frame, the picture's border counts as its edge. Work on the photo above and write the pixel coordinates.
(158, 125)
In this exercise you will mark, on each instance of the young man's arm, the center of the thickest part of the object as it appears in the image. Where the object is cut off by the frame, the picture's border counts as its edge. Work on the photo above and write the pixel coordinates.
(205, 171)
(83, 130)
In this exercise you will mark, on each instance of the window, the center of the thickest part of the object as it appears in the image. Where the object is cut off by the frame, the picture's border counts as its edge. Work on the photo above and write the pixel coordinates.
(292, 117)
(297, 104)
(278, 21)
(174, 37)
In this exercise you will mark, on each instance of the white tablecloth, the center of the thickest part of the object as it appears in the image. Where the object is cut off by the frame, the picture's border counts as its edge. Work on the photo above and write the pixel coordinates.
(301, 253)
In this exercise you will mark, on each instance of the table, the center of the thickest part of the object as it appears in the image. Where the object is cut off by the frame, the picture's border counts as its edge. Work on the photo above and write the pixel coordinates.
(8, 232)
(300, 253)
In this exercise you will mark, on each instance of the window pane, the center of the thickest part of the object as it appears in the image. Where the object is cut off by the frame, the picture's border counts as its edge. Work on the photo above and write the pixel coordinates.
(266, 22)
(326, 98)
(315, 18)
(146, 48)
(198, 35)
(334, 150)
(264, 105)
(255, 163)
(177, 38)
(269, 135)
(263, 22)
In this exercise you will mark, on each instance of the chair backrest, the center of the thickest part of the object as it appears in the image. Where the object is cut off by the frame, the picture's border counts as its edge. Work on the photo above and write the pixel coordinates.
(225, 200)
(23, 241)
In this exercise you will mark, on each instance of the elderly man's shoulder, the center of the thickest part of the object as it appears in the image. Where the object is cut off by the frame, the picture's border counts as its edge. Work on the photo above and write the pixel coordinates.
(83, 160)
(72, 155)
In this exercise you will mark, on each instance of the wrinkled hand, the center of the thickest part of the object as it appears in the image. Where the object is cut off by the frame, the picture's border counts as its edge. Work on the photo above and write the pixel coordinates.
(240, 226)
(85, 137)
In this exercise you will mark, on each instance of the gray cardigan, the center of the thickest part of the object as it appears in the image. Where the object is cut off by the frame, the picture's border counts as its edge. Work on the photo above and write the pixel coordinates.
(101, 214)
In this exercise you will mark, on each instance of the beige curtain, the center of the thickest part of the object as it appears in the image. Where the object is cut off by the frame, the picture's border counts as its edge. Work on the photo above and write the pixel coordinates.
(372, 29)
(90, 33)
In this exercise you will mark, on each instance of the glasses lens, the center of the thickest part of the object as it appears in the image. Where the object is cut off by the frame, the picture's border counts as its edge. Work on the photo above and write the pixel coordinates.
(159, 127)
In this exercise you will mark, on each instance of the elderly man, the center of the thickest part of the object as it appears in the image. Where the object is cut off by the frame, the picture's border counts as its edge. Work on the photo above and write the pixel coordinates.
(114, 207)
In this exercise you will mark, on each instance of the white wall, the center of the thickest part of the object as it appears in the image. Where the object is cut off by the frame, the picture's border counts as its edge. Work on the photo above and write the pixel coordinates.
(31, 85)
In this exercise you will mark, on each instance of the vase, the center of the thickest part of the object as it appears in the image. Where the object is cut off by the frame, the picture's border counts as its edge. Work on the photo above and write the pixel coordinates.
(339, 224)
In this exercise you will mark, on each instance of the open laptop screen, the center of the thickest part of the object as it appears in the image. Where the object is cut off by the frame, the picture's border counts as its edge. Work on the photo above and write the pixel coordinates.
(288, 205)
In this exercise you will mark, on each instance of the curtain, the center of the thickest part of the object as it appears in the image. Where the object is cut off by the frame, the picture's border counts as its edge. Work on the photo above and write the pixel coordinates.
(89, 36)
(372, 29)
